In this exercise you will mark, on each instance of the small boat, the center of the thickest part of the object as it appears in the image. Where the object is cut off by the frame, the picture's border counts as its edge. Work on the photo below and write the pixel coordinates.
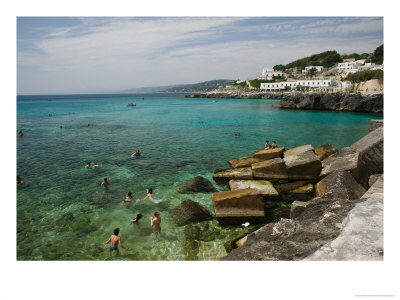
(131, 104)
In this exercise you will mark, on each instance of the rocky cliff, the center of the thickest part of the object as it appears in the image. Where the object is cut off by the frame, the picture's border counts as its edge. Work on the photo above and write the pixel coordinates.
(309, 101)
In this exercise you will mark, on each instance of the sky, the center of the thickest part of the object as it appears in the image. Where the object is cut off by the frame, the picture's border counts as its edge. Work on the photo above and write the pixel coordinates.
(61, 55)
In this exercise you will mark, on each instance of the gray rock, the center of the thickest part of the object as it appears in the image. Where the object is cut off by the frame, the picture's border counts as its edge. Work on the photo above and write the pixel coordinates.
(197, 184)
(298, 150)
(270, 169)
(374, 124)
(339, 184)
(373, 178)
(362, 234)
(351, 162)
(295, 239)
(305, 165)
(371, 149)
(334, 101)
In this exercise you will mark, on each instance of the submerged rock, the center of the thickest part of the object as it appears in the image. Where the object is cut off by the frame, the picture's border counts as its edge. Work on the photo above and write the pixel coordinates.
(197, 184)
(191, 244)
(239, 206)
(189, 211)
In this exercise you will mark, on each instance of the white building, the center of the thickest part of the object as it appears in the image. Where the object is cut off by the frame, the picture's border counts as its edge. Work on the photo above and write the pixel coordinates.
(307, 69)
(307, 84)
(366, 66)
(268, 74)
(349, 67)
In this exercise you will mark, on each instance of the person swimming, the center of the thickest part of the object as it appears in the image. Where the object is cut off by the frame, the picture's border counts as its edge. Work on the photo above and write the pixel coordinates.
(105, 183)
(21, 133)
(149, 196)
(136, 153)
(127, 200)
(115, 241)
(88, 165)
(136, 219)
(19, 180)
(95, 165)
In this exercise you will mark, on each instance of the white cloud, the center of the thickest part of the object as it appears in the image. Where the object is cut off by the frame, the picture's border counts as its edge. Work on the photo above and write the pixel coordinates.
(120, 53)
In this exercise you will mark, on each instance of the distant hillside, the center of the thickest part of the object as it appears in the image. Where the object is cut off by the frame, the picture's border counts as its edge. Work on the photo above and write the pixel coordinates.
(148, 90)
(201, 86)
(326, 59)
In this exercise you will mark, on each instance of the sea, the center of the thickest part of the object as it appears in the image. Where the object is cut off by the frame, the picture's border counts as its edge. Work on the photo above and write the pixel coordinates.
(63, 212)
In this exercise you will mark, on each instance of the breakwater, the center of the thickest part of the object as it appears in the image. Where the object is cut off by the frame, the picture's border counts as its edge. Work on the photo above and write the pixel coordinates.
(340, 101)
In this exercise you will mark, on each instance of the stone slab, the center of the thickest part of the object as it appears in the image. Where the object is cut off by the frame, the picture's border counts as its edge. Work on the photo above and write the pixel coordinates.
(243, 162)
(264, 187)
(269, 154)
(238, 173)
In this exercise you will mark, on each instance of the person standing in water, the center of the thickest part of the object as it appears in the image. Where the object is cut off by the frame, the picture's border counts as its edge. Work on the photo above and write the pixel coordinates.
(155, 222)
(105, 183)
(115, 242)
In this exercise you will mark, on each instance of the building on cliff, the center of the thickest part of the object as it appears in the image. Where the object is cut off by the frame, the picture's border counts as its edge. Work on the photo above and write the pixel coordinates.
(268, 74)
(320, 84)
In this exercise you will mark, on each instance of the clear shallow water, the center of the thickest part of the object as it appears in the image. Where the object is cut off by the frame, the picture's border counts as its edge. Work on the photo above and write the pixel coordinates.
(64, 214)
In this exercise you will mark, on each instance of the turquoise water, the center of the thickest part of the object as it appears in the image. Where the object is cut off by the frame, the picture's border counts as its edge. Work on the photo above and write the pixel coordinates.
(64, 214)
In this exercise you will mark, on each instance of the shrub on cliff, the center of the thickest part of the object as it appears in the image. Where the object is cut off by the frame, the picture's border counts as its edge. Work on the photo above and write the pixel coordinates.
(365, 75)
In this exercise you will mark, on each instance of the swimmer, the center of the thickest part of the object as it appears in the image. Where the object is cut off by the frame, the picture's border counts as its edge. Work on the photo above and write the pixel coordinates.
(21, 133)
(155, 222)
(105, 183)
(149, 196)
(61, 126)
(136, 219)
(267, 145)
(128, 199)
(95, 165)
(88, 165)
(115, 242)
(19, 180)
(136, 153)
(274, 145)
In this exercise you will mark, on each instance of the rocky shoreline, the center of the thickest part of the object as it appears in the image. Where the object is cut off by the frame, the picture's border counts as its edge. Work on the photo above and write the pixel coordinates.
(340, 101)
(318, 187)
